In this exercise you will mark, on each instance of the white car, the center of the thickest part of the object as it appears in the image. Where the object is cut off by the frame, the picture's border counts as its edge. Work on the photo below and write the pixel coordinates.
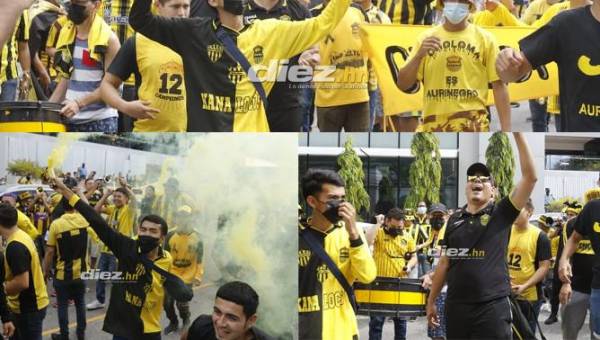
(20, 188)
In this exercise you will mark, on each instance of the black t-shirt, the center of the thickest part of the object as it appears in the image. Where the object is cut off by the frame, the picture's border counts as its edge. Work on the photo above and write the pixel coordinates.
(572, 40)
(202, 328)
(125, 63)
(201, 9)
(284, 94)
(542, 253)
(582, 264)
(476, 245)
(588, 224)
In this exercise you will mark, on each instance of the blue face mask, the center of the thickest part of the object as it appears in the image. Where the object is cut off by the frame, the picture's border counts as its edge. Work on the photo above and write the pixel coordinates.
(455, 12)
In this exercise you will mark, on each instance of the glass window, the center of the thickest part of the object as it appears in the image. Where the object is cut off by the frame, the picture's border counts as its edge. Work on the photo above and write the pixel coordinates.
(570, 162)
(384, 140)
(303, 139)
(359, 139)
(323, 139)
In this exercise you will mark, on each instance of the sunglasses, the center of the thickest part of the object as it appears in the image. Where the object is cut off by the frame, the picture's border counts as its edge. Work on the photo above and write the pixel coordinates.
(482, 179)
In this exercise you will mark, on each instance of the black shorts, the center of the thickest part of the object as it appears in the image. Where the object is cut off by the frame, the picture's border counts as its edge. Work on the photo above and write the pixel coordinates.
(487, 320)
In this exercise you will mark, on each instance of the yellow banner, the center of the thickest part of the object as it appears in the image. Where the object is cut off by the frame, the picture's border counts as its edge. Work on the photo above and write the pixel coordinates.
(387, 45)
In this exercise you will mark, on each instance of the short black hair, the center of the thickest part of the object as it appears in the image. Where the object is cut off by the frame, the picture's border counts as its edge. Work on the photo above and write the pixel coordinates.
(395, 214)
(123, 191)
(164, 228)
(240, 293)
(8, 216)
(313, 180)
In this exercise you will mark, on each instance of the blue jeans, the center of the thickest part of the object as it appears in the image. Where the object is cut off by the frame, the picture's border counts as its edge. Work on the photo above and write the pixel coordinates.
(539, 116)
(66, 290)
(106, 263)
(29, 325)
(374, 107)
(424, 265)
(309, 108)
(9, 91)
(595, 311)
(376, 328)
(102, 125)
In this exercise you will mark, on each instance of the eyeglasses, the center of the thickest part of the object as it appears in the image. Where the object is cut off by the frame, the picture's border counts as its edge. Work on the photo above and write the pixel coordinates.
(482, 179)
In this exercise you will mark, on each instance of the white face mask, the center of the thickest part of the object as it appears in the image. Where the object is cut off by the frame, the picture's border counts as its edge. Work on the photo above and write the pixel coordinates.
(421, 210)
(455, 12)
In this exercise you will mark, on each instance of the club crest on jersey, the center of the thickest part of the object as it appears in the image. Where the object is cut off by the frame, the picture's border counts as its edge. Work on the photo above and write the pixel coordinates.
(258, 55)
(236, 74)
(344, 254)
(215, 51)
(484, 219)
(285, 17)
(303, 257)
(453, 63)
(322, 273)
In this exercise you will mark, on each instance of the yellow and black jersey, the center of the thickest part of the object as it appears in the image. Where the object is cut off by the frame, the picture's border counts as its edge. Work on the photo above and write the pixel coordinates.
(69, 234)
(158, 75)
(500, 16)
(166, 207)
(325, 311)
(220, 96)
(526, 249)
(422, 230)
(583, 261)
(21, 256)
(43, 15)
(10, 53)
(25, 224)
(389, 253)
(186, 251)
(140, 295)
(411, 12)
(116, 14)
(120, 219)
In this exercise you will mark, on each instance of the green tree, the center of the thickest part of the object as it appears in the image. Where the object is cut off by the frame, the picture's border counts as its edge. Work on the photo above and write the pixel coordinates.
(425, 172)
(351, 170)
(22, 167)
(501, 162)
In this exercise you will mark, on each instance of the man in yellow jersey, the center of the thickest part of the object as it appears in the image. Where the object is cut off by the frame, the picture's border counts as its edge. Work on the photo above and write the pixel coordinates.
(121, 217)
(343, 103)
(392, 247)
(15, 50)
(422, 239)
(572, 41)
(536, 10)
(23, 222)
(478, 281)
(224, 92)
(137, 296)
(455, 62)
(23, 281)
(68, 241)
(329, 235)
(528, 262)
(409, 12)
(159, 78)
(37, 210)
(495, 14)
(186, 250)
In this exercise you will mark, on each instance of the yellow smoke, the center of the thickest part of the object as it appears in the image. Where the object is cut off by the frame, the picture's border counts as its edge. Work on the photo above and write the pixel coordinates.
(60, 151)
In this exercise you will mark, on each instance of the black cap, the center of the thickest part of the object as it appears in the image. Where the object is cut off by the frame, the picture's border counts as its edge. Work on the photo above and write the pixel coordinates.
(478, 168)
(438, 207)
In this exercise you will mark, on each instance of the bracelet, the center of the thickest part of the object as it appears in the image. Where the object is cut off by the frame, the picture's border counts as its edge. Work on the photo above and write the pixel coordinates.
(78, 103)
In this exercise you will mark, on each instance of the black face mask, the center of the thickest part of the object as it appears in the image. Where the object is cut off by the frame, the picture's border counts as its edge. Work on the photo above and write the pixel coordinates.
(77, 14)
(235, 7)
(147, 243)
(332, 211)
(436, 222)
(393, 232)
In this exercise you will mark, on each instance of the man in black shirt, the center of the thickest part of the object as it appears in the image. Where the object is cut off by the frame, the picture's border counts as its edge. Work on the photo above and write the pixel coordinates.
(473, 257)
(572, 40)
(234, 316)
(586, 224)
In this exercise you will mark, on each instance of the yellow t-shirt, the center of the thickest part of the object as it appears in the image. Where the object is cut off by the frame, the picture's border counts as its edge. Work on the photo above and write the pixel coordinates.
(456, 78)
(389, 251)
(535, 11)
(162, 85)
(521, 258)
(500, 16)
(186, 252)
(551, 13)
(120, 219)
(342, 49)
(25, 224)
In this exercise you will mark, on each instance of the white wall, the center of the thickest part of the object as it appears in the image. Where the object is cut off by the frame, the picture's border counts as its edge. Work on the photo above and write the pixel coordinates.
(569, 183)
(472, 148)
(105, 159)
